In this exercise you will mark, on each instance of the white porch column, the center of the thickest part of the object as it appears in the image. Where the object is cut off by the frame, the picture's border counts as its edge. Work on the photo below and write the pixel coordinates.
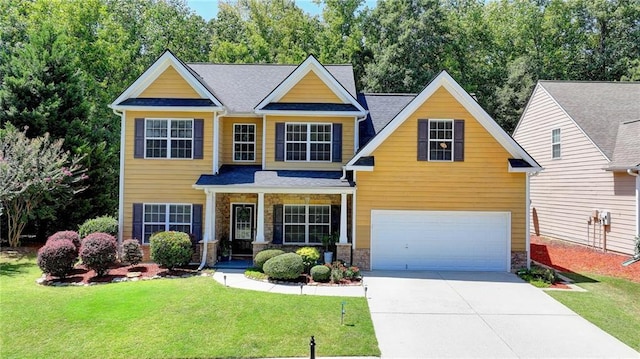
(210, 218)
(260, 220)
(343, 218)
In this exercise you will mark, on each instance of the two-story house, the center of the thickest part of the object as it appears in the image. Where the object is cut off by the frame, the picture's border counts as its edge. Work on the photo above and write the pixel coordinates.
(284, 155)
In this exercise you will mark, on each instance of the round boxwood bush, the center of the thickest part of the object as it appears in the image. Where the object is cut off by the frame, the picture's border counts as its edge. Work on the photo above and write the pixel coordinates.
(285, 266)
(263, 256)
(131, 251)
(310, 256)
(66, 235)
(320, 273)
(98, 252)
(171, 249)
(104, 224)
(57, 257)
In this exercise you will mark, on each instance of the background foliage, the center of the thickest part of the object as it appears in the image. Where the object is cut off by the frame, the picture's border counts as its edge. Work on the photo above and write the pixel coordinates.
(62, 62)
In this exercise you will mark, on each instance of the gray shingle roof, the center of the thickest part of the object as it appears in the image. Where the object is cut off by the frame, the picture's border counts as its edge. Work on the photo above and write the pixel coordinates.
(627, 149)
(240, 87)
(382, 109)
(598, 108)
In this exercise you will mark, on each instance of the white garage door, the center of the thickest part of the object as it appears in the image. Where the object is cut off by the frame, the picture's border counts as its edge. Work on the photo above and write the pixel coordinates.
(436, 240)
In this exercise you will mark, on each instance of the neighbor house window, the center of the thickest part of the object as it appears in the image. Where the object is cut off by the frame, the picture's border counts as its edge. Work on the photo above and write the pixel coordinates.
(306, 224)
(440, 140)
(555, 143)
(308, 142)
(165, 217)
(244, 142)
(168, 138)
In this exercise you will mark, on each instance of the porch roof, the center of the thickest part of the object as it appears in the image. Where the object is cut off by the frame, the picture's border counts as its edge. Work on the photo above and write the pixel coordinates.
(249, 177)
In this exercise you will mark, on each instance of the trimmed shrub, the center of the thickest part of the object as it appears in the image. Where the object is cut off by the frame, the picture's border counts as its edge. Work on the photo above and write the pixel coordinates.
(171, 249)
(320, 273)
(98, 252)
(66, 235)
(104, 224)
(352, 272)
(310, 256)
(285, 266)
(131, 251)
(57, 257)
(263, 256)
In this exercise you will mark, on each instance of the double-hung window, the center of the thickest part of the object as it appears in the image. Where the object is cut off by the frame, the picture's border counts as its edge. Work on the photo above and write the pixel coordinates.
(165, 217)
(440, 140)
(244, 142)
(304, 224)
(556, 150)
(166, 138)
(308, 142)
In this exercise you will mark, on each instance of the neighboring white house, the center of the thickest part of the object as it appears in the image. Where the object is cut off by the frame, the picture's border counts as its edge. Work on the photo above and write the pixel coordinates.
(586, 136)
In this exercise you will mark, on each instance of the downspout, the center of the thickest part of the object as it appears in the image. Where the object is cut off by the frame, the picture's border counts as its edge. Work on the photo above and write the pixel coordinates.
(121, 177)
(528, 217)
(216, 140)
(637, 176)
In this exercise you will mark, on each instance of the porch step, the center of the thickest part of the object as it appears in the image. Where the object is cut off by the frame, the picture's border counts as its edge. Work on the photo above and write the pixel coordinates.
(234, 264)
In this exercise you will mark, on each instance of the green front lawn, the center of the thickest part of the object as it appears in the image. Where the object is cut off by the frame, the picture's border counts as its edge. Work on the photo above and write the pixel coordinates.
(612, 304)
(194, 317)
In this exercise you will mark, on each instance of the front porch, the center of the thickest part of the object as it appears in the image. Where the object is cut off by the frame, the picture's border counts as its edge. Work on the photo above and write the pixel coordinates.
(248, 210)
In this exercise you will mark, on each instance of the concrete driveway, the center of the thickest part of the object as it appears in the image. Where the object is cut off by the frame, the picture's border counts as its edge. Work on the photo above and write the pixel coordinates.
(478, 315)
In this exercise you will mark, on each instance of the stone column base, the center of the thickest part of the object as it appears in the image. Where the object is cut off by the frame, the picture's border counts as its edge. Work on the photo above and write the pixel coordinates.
(343, 252)
(259, 246)
(518, 260)
(212, 252)
(362, 258)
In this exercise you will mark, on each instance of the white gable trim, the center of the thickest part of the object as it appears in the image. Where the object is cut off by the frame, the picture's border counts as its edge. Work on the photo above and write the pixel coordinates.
(310, 64)
(154, 71)
(445, 80)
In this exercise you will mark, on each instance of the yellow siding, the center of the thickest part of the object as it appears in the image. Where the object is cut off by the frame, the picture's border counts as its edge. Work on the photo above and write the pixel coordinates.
(347, 143)
(163, 180)
(480, 183)
(311, 89)
(226, 135)
(170, 84)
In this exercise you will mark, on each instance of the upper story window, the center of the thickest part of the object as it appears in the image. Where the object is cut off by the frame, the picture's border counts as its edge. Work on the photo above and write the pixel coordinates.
(556, 150)
(166, 138)
(306, 224)
(165, 217)
(244, 142)
(308, 142)
(441, 140)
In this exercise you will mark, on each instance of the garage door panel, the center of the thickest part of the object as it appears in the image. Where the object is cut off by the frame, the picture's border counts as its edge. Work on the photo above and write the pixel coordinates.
(437, 240)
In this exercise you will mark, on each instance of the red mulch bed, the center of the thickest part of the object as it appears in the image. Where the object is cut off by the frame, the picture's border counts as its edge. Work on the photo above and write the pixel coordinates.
(569, 257)
(81, 274)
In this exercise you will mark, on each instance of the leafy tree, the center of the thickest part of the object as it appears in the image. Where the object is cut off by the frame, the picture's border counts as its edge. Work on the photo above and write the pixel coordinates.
(31, 170)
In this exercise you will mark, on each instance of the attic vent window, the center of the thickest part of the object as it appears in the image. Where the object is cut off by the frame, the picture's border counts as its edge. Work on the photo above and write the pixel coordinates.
(556, 147)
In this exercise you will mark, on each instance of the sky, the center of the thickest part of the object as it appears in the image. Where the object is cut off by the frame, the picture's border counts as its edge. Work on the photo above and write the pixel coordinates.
(209, 8)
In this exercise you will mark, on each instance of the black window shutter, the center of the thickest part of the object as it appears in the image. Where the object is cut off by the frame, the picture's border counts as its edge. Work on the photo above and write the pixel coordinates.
(458, 140)
(280, 141)
(198, 138)
(335, 218)
(423, 140)
(336, 143)
(138, 143)
(196, 221)
(278, 226)
(137, 222)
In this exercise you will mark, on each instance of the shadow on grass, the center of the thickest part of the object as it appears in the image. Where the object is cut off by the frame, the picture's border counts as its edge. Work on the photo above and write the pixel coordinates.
(14, 269)
(578, 278)
(540, 254)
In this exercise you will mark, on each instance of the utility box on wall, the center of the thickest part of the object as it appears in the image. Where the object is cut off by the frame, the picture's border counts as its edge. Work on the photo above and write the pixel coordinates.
(605, 218)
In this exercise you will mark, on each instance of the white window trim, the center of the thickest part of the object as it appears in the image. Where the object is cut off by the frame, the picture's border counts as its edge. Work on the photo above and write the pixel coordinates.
(429, 140)
(168, 138)
(309, 142)
(167, 223)
(559, 143)
(254, 142)
(306, 224)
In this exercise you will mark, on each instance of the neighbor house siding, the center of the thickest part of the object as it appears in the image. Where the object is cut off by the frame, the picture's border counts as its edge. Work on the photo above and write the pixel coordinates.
(162, 180)
(311, 89)
(479, 183)
(226, 137)
(347, 143)
(570, 188)
(170, 84)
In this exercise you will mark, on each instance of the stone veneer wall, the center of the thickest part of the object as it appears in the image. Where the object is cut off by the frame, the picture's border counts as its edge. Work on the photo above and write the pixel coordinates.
(361, 258)
(518, 260)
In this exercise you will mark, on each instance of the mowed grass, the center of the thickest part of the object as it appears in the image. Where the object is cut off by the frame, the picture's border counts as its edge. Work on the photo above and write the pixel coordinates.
(612, 304)
(194, 317)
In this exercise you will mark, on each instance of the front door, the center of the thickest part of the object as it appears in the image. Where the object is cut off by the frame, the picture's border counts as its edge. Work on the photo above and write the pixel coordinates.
(242, 228)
